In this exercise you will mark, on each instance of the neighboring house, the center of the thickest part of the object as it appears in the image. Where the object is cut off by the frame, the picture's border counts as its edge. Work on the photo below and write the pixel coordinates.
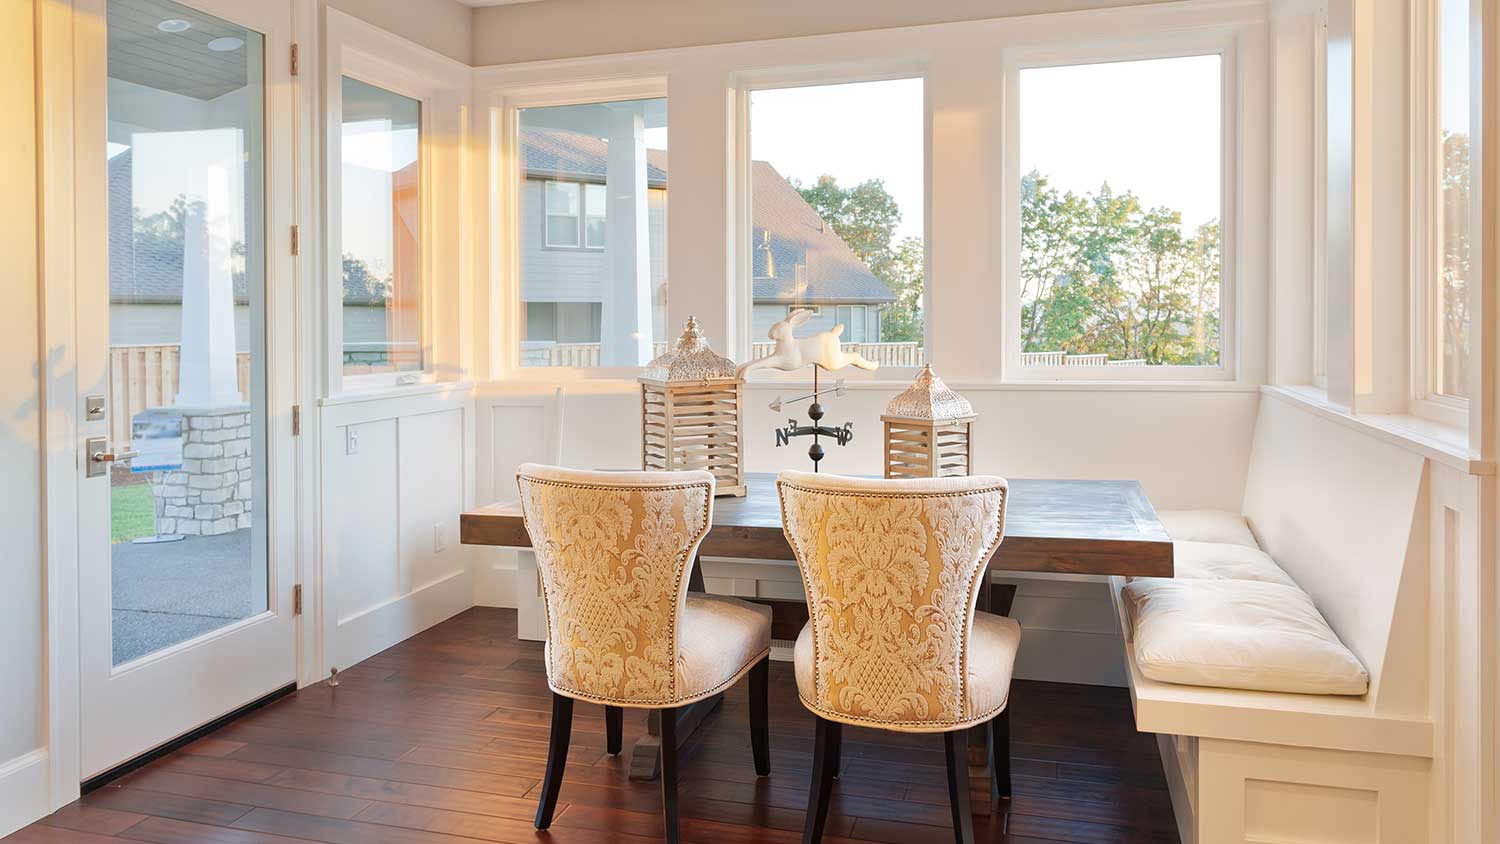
(798, 259)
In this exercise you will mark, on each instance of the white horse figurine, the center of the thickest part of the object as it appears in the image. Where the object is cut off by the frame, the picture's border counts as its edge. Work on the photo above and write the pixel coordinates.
(793, 353)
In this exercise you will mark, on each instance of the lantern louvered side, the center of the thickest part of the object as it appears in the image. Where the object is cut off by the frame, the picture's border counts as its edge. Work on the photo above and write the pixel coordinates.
(926, 450)
(695, 426)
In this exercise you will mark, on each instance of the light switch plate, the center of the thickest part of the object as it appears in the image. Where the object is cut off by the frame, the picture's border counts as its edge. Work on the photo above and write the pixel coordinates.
(351, 440)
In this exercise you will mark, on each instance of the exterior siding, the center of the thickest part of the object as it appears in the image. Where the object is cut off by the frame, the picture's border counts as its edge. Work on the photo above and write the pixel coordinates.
(577, 275)
(763, 316)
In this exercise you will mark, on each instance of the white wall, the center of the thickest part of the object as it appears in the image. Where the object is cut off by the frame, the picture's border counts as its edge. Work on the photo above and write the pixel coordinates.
(22, 643)
(567, 28)
(442, 26)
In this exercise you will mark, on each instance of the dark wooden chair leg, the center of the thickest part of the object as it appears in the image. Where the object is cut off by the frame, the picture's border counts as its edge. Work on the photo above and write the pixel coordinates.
(557, 758)
(669, 774)
(1000, 752)
(760, 718)
(956, 743)
(836, 752)
(821, 790)
(614, 726)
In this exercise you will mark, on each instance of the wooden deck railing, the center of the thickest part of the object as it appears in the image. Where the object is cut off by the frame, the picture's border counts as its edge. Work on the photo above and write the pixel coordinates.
(1065, 359)
(143, 377)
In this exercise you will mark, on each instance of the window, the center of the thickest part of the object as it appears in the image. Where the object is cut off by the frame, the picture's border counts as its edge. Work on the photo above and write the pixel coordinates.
(1120, 209)
(563, 213)
(1448, 302)
(594, 216)
(837, 184)
(852, 317)
(380, 232)
(592, 233)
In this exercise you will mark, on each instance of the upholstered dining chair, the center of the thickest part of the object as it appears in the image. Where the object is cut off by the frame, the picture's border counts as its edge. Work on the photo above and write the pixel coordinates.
(892, 570)
(614, 551)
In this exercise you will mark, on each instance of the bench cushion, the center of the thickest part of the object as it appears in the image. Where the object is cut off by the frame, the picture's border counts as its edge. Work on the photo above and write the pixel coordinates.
(1238, 634)
(1207, 526)
(1226, 561)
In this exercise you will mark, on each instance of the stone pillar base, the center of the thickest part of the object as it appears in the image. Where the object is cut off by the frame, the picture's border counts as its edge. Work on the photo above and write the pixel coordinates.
(211, 493)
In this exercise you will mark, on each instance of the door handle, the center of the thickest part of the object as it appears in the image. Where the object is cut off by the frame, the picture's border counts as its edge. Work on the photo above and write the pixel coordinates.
(97, 449)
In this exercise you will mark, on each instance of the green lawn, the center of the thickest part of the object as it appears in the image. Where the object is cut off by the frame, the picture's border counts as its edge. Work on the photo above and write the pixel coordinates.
(130, 512)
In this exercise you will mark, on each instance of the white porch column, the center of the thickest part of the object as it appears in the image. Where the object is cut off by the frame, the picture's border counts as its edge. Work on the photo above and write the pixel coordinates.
(625, 318)
(206, 368)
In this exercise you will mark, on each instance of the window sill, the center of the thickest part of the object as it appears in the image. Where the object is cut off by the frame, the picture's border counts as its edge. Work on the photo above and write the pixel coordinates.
(421, 388)
(1445, 444)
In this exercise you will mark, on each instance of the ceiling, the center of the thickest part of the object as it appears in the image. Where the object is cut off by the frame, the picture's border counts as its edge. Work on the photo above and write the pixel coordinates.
(179, 62)
(477, 3)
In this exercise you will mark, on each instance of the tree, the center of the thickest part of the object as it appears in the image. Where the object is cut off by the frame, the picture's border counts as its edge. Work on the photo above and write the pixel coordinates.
(864, 216)
(901, 321)
(1102, 274)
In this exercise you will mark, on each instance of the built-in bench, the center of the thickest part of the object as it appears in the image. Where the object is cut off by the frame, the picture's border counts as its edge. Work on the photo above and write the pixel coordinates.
(1346, 518)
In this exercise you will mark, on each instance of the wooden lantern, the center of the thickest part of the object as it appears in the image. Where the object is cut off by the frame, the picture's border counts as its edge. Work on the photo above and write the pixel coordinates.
(690, 413)
(928, 431)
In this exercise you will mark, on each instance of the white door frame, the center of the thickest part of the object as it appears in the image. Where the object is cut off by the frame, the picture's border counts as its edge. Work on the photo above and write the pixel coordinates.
(61, 26)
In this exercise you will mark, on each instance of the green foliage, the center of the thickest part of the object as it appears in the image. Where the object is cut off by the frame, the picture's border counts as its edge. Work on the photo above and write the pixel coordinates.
(1103, 274)
(865, 217)
(1455, 270)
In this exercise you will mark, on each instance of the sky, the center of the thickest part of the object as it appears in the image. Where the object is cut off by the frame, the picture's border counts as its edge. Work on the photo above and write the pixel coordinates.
(853, 132)
(1150, 127)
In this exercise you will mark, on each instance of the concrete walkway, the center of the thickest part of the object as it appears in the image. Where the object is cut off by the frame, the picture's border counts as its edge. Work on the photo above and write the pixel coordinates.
(170, 592)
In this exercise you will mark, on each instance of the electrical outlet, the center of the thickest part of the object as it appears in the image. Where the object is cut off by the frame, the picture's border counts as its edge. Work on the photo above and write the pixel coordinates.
(351, 440)
(440, 537)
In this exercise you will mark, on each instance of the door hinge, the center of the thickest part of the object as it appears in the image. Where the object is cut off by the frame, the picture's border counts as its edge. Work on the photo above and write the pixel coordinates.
(295, 67)
(297, 599)
(296, 420)
(296, 244)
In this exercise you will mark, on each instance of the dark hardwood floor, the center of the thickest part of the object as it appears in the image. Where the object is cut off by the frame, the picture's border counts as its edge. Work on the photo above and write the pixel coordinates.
(443, 738)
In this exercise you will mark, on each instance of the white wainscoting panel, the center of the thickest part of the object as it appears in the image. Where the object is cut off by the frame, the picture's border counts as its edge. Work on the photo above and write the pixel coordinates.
(395, 477)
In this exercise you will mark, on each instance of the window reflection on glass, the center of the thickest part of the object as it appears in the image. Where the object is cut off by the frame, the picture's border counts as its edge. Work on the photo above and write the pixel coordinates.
(186, 163)
(593, 233)
(1451, 305)
(1120, 204)
(381, 230)
(837, 182)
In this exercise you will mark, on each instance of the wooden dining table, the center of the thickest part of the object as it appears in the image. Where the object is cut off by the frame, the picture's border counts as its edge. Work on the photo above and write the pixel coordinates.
(1063, 527)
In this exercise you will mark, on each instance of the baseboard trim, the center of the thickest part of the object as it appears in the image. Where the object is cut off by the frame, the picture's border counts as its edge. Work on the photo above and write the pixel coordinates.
(95, 782)
(23, 790)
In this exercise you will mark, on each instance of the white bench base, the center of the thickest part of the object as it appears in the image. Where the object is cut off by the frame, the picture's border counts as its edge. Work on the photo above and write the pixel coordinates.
(1248, 767)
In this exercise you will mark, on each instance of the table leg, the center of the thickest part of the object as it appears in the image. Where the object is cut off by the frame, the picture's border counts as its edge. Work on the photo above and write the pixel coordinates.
(997, 599)
(645, 755)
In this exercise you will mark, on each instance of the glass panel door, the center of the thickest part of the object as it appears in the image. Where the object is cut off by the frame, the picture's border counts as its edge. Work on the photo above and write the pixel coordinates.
(186, 508)
(186, 295)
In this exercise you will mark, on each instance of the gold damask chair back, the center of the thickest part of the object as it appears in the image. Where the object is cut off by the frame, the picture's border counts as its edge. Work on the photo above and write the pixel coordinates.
(892, 570)
(615, 550)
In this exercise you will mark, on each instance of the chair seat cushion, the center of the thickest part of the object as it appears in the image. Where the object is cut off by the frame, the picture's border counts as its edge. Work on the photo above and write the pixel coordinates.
(1207, 526)
(1238, 634)
(992, 660)
(719, 638)
(1226, 561)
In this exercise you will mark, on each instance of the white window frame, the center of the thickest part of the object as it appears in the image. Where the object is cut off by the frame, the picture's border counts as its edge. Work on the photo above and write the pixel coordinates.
(884, 70)
(1221, 42)
(376, 57)
(509, 178)
(1427, 401)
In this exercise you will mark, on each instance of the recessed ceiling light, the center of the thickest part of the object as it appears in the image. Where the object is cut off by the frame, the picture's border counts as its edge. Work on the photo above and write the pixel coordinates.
(174, 25)
(226, 44)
